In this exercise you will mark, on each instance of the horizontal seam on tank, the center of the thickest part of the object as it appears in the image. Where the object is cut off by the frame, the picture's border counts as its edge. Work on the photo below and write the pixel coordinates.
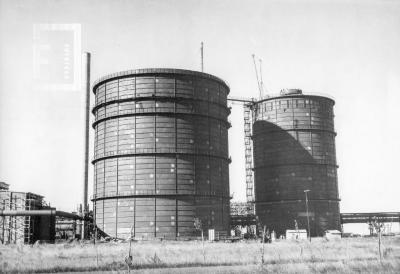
(294, 129)
(295, 200)
(152, 98)
(174, 114)
(160, 196)
(173, 73)
(160, 154)
(295, 164)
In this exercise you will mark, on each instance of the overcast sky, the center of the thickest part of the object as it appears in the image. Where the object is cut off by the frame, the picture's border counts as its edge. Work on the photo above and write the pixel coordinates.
(346, 49)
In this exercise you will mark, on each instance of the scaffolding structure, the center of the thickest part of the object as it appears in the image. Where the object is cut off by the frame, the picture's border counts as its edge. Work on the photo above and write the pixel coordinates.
(243, 220)
(248, 116)
(241, 209)
(65, 228)
(19, 229)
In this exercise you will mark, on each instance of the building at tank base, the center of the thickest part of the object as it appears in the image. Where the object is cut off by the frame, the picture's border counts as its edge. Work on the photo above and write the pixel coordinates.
(19, 228)
(294, 151)
(161, 153)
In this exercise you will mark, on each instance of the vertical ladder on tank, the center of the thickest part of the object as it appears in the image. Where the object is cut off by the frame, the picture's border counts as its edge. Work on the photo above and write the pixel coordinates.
(248, 120)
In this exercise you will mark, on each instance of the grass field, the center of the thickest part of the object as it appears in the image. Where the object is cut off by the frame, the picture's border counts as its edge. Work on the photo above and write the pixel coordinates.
(351, 255)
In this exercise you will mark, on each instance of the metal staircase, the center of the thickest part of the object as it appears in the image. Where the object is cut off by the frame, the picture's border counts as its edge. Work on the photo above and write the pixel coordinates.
(248, 122)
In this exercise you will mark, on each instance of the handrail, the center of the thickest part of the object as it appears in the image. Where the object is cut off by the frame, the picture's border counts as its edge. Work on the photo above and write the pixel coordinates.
(275, 95)
(118, 112)
(155, 72)
(100, 103)
(196, 151)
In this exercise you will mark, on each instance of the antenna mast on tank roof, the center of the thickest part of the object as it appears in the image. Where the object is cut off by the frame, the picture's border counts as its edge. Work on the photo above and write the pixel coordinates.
(202, 56)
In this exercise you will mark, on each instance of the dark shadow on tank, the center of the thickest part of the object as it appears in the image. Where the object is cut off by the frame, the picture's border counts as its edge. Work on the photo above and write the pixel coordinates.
(277, 146)
(283, 167)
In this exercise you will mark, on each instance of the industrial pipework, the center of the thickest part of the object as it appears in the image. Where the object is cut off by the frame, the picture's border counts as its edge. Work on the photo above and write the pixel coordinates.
(40, 212)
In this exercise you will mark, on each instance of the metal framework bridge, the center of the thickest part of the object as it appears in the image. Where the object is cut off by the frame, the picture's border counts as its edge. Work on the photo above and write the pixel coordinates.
(244, 219)
(362, 218)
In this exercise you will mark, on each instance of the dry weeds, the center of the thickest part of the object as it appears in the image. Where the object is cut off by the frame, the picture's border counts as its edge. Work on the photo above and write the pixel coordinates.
(341, 256)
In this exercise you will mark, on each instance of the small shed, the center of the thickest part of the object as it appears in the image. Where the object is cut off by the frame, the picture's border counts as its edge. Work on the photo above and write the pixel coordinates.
(296, 234)
(333, 234)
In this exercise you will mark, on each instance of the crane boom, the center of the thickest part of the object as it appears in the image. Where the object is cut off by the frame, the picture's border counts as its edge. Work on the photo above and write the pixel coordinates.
(261, 80)
(241, 99)
(258, 81)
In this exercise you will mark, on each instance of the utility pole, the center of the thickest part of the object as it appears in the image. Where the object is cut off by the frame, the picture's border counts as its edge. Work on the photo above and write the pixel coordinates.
(308, 218)
(202, 57)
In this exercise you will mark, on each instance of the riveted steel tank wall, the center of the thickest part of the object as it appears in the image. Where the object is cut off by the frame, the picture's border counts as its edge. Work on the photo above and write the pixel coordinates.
(161, 153)
(294, 150)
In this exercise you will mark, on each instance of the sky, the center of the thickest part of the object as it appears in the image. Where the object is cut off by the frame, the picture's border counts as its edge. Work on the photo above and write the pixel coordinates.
(348, 50)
